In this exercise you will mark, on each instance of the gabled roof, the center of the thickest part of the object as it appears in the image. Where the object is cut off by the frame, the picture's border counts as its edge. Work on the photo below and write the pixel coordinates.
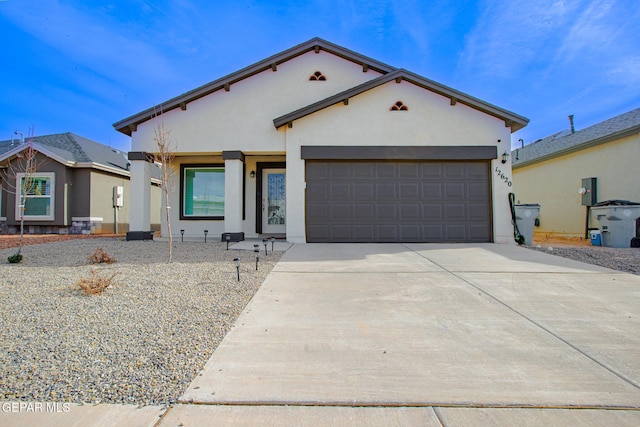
(512, 120)
(71, 150)
(565, 142)
(129, 124)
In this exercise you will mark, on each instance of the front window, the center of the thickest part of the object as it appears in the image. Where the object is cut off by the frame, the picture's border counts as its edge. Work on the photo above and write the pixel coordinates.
(202, 192)
(35, 196)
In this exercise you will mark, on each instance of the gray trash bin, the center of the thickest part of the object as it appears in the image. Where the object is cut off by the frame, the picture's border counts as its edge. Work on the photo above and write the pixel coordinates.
(618, 221)
(526, 215)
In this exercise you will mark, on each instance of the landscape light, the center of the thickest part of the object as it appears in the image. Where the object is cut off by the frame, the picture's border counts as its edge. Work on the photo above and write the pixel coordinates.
(182, 235)
(227, 237)
(237, 261)
(264, 242)
(273, 241)
(256, 249)
(205, 235)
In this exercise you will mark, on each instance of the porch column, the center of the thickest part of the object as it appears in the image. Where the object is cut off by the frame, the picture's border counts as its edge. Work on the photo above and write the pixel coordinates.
(140, 197)
(233, 178)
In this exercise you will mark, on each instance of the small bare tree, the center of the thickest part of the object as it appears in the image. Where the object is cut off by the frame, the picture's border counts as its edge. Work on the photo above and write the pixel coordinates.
(166, 147)
(19, 177)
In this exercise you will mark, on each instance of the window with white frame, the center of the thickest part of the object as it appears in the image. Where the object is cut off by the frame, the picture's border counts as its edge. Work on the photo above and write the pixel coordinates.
(202, 192)
(35, 196)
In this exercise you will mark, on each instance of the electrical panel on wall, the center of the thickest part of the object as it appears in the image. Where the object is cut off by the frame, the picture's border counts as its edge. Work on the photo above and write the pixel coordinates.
(589, 191)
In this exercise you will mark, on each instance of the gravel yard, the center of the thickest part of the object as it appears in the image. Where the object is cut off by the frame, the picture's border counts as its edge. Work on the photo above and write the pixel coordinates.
(146, 338)
(142, 341)
(621, 259)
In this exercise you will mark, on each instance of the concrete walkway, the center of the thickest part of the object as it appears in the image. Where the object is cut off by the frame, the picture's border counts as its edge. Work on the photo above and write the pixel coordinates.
(419, 334)
(413, 334)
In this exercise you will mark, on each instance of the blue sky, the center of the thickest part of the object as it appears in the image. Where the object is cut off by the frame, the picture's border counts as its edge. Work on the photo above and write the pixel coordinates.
(79, 66)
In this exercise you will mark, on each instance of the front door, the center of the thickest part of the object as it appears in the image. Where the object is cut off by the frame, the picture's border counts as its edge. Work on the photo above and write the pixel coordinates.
(273, 201)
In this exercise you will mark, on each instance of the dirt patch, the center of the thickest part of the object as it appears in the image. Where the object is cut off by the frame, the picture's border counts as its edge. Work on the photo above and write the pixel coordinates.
(13, 241)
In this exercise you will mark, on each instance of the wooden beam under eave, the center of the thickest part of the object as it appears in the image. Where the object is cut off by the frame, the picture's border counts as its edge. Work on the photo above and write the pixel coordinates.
(316, 49)
(345, 101)
(398, 79)
(453, 101)
(274, 67)
(290, 125)
(365, 68)
(508, 123)
(183, 106)
(227, 87)
(133, 127)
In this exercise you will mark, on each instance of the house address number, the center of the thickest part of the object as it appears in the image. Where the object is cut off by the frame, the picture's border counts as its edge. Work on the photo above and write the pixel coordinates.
(503, 176)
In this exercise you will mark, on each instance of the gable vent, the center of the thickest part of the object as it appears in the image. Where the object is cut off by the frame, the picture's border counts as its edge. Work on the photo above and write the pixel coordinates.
(317, 76)
(399, 106)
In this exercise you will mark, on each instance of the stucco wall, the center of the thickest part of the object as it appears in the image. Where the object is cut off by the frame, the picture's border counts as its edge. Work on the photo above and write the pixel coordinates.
(366, 120)
(554, 183)
(242, 119)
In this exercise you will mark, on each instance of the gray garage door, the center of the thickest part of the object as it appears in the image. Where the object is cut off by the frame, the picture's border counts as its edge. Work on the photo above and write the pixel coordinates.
(398, 201)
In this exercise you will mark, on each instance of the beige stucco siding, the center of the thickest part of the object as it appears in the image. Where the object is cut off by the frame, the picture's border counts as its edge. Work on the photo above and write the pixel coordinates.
(366, 120)
(554, 183)
(242, 119)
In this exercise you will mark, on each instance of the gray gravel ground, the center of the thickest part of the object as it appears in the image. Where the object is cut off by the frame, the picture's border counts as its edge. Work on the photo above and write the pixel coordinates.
(142, 341)
(621, 259)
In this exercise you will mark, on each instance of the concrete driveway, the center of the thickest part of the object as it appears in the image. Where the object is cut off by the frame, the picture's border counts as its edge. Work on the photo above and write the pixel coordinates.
(422, 334)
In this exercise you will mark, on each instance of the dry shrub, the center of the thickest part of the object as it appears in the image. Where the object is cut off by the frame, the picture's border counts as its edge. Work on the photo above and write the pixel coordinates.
(100, 257)
(95, 283)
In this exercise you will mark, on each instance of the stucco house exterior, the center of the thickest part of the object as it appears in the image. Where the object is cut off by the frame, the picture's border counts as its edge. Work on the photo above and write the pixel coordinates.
(550, 172)
(322, 144)
(77, 183)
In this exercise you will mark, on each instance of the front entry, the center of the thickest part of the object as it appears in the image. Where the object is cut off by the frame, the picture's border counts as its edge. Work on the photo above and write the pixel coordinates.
(273, 201)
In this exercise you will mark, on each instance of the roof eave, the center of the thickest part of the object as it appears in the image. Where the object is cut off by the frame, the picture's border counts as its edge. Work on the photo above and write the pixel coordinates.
(128, 125)
(591, 143)
(512, 120)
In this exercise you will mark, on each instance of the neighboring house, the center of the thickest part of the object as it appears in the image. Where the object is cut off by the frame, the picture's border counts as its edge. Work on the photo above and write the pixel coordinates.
(322, 144)
(550, 172)
(73, 189)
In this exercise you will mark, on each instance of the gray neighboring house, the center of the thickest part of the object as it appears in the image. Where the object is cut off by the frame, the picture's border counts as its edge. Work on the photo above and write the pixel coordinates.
(78, 185)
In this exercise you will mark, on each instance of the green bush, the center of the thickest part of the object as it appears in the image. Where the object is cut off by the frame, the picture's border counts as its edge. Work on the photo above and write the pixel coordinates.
(15, 258)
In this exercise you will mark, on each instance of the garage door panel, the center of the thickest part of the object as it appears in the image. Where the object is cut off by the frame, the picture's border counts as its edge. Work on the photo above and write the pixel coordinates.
(408, 171)
(363, 191)
(409, 190)
(478, 191)
(317, 211)
(386, 191)
(398, 201)
(432, 212)
(363, 212)
(364, 171)
(409, 212)
(340, 212)
(454, 171)
(431, 170)
(432, 191)
(339, 171)
(385, 170)
(341, 233)
(454, 212)
(478, 233)
(386, 212)
(454, 190)
(388, 233)
(364, 233)
(455, 232)
(433, 233)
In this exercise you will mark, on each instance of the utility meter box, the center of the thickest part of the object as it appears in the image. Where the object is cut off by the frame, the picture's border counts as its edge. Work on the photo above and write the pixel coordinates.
(589, 191)
(118, 196)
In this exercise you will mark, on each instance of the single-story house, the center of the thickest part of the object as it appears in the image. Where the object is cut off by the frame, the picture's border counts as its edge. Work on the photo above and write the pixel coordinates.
(322, 144)
(78, 186)
(551, 171)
